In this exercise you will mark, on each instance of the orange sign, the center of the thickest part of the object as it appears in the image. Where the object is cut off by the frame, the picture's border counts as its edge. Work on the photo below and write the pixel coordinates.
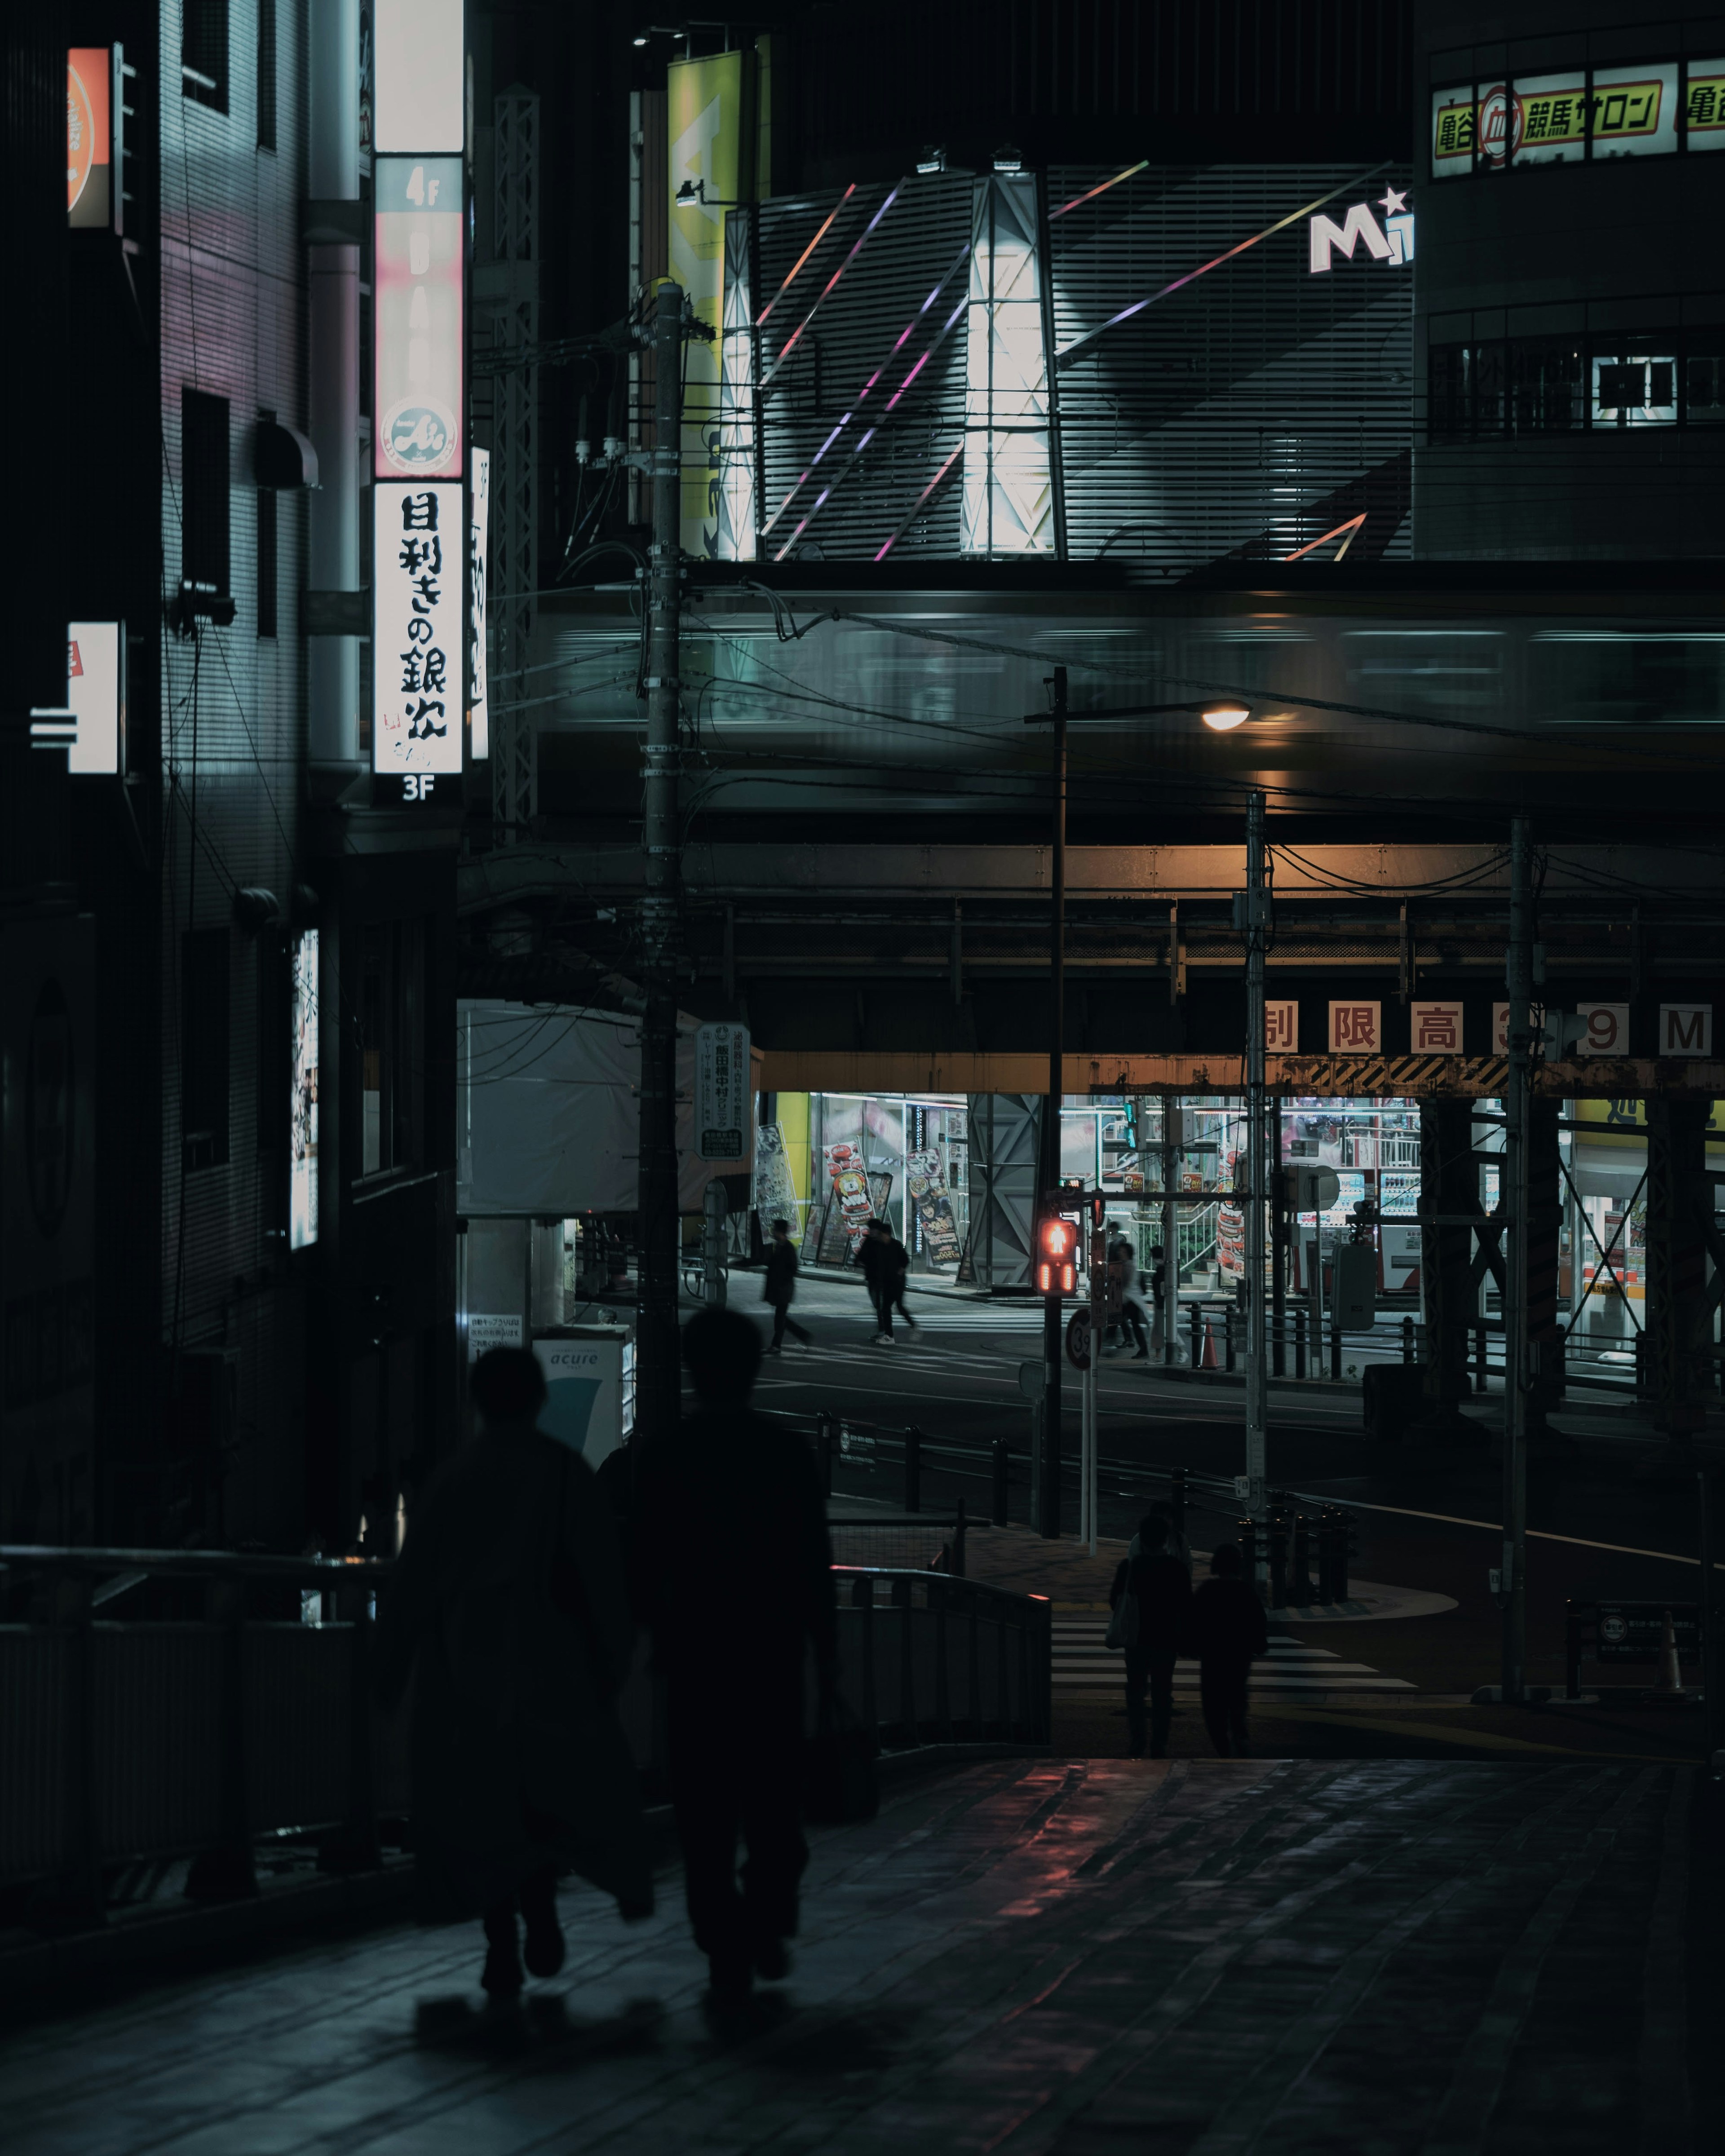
(89, 135)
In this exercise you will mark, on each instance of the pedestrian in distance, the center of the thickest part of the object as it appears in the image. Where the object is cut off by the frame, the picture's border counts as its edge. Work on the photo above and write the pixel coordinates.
(1156, 1592)
(1158, 1298)
(885, 1264)
(732, 1574)
(779, 1287)
(508, 1611)
(1125, 1298)
(1228, 1633)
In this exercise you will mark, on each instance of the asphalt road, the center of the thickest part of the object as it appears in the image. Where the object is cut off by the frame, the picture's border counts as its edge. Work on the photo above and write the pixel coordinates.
(1429, 1516)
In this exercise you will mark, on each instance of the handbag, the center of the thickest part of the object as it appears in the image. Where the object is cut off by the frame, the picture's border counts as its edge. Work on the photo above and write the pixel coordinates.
(1123, 1625)
(841, 1787)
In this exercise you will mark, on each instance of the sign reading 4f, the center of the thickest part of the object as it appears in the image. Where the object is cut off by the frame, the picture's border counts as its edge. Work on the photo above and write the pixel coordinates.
(1391, 242)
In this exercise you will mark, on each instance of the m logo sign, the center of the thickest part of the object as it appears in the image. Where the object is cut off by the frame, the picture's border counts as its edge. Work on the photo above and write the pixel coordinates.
(1686, 1030)
(1391, 242)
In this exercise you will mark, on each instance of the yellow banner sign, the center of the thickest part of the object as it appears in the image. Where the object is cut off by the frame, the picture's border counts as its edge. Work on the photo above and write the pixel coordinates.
(711, 128)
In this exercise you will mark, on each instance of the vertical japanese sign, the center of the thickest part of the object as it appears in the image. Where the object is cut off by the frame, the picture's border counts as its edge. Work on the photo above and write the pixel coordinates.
(302, 1108)
(710, 129)
(417, 574)
(721, 1092)
(419, 64)
(417, 391)
(89, 135)
(479, 715)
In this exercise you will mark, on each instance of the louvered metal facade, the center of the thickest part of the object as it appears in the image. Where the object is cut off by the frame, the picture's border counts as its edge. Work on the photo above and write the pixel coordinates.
(1246, 406)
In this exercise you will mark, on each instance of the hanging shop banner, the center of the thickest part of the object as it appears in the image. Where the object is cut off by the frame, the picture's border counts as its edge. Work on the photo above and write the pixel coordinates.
(1566, 117)
(419, 535)
(89, 135)
(419, 65)
(418, 393)
(721, 1092)
(302, 1107)
(850, 1200)
(478, 716)
(710, 130)
(775, 1190)
(96, 694)
(934, 1205)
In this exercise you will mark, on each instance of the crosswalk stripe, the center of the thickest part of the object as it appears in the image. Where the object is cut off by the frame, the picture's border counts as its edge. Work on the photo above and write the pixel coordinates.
(1082, 1663)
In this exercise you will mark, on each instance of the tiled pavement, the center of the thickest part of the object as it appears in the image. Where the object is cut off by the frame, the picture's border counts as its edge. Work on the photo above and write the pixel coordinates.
(1083, 1958)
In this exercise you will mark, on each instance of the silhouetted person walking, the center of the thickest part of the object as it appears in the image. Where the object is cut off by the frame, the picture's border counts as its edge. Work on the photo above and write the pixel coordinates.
(886, 1266)
(509, 1611)
(779, 1287)
(732, 1571)
(1159, 1586)
(1228, 1630)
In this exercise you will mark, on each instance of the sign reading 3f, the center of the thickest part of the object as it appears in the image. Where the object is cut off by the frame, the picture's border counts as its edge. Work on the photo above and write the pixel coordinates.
(1391, 242)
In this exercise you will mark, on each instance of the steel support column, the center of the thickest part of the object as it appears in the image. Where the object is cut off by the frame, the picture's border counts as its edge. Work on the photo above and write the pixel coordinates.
(1680, 1376)
(1545, 1220)
(1449, 1187)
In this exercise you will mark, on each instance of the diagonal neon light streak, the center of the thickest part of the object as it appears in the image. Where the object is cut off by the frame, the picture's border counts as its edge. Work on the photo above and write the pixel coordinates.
(1268, 232)
(897, 346)
(805, 254)
(1078, 200)
(921, 498)
(1351, 526)
(861, 242)
(934, 346)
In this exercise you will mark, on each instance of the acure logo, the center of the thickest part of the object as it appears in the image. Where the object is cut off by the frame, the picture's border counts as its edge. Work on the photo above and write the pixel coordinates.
(417, 434)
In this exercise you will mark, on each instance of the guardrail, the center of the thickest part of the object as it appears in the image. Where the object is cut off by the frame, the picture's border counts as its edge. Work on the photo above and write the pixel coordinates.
(181, 1737)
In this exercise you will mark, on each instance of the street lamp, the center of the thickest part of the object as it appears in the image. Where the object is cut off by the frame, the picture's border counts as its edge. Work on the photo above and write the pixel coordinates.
(1223, 718)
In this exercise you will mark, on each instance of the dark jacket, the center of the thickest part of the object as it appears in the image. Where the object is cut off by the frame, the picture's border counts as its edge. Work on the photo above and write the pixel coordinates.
(508, 1610)
(885, 1262)
(731, 1568)
(1163, 1594)
(779, 1287)
(1228, 1624)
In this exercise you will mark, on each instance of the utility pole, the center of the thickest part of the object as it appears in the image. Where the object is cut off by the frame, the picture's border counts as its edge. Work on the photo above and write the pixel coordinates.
(1512, 1587)
(1257, 1179)
(658, 1378)
(1049, 1496)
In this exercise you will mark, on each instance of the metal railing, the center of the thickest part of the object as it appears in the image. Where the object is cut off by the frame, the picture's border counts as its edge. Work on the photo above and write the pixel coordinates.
(176, 1737)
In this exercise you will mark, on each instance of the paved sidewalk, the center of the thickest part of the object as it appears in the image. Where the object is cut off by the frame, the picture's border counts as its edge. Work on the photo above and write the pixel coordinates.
(1062, 1958)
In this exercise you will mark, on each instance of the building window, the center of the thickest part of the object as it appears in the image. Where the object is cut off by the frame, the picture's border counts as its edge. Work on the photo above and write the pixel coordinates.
(204, 479)
(1635, 389)
(1704, 382)
(391, 1012)
(205, 1016)
(267, 548)
(266, 74)
(203, 53)
(1545, 378)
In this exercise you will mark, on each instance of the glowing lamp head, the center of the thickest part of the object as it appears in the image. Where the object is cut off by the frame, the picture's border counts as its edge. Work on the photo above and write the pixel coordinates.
(1057, 1255)
(1223, 718)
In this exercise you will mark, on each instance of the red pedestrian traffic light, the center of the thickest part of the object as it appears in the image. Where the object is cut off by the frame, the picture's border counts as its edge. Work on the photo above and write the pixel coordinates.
(1057, 1255)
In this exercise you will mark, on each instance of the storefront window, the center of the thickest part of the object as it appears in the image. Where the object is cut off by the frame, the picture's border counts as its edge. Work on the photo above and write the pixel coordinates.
(1635, 389)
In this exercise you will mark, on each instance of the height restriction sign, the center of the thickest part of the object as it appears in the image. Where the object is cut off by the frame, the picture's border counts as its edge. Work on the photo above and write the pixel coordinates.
(722, 1091)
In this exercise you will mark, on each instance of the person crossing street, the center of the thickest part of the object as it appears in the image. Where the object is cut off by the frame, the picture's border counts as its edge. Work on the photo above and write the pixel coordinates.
(779, 1287)
(886, 1263)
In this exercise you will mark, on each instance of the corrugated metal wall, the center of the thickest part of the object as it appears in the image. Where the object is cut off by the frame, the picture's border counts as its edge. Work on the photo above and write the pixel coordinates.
(233, 325)
(1243, 411)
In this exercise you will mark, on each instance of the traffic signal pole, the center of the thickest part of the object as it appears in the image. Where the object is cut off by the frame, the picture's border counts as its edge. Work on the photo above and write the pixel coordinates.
(1512, 1591)
(1048, 1508)
(1257, 1177)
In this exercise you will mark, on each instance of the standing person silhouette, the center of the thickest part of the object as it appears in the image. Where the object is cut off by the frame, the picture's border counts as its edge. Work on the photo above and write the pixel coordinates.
(507, 1609)
(1228, 1631)
(731, 1570)
(886, 1266)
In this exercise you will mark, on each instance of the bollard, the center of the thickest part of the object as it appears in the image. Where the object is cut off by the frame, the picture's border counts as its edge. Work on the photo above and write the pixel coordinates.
(913, 1469)
(1197, 1337)
(1479, 1358)
(1335, 1351)
(1326, 1555)
(1300, 1341)
(1177, 1502)
(1002, 1465)
(827, 1443)
(1407, 1340)
(1228, 1318)
(1302, 1593)
(1278, 1559)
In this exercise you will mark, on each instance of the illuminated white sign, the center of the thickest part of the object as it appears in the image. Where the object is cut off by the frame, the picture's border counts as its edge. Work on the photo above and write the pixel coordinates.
(479, 534)
(721, 1092)
(302, 1108)
(1390, 242)
(417, 297)
(419, 68)
(96, 695)
(418, 569)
